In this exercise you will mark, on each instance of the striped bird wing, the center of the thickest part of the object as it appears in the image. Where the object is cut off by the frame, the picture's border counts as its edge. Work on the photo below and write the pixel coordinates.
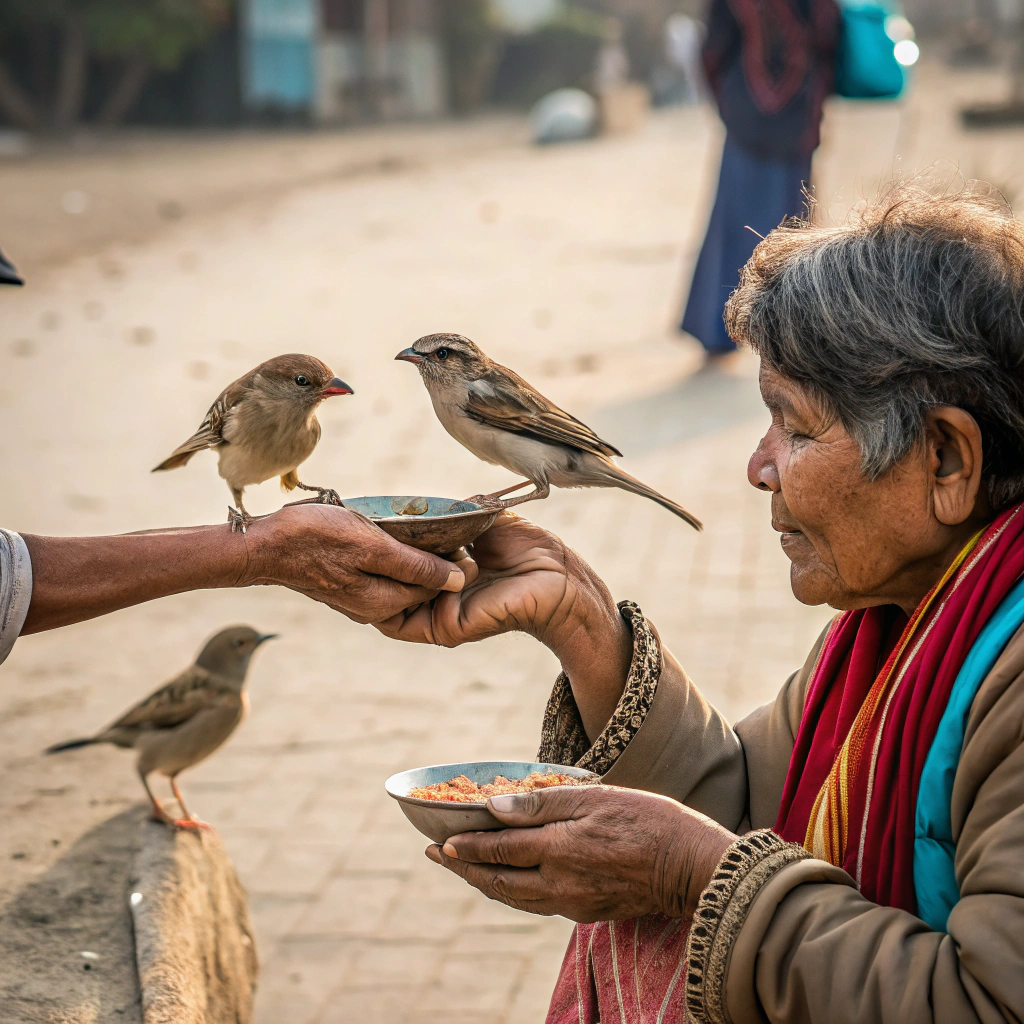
(211, 431)
(177, 701)
(504, 400)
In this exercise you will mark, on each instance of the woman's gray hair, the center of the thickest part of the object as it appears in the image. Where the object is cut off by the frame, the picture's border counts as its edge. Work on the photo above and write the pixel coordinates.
(916, 300)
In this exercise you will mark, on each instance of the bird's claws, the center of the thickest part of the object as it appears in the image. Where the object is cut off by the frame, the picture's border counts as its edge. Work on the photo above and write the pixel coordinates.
(239, 519)
(329, 496)
(192, 823)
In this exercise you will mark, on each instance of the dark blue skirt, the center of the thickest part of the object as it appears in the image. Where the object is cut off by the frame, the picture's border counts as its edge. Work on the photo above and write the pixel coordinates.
(752, 193)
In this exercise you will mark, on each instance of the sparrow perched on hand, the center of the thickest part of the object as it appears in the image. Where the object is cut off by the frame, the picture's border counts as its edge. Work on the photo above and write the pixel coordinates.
(503, 420)
(188, 718)
(264, 425)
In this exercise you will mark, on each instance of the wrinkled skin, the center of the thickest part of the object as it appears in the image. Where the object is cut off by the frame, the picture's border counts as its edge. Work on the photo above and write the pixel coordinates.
(855, 542)
(329, 554)
(642, 854)
(343, 560)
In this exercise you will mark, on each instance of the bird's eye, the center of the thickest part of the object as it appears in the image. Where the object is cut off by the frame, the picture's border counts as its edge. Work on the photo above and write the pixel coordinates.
(442, 353)
(237, 643)
(302, 381)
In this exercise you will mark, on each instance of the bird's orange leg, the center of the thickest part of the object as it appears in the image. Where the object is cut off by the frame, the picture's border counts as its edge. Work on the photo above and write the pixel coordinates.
(188, 820)
(159, 814)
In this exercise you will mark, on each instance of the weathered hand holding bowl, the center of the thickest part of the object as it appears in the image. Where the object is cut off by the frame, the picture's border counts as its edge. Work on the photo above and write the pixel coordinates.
(440, 821)
(442, 527)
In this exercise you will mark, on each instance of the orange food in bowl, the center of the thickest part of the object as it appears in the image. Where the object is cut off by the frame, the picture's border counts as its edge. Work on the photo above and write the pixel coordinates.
(461, 790)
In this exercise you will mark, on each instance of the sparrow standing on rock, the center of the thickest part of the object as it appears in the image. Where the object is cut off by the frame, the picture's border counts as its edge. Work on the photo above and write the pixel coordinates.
(264, 425)
(188, 718)
(503, 420)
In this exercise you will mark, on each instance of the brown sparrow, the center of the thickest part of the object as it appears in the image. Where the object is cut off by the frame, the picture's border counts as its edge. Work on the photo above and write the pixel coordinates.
(503, 420)
(264, 425)
(188, 718)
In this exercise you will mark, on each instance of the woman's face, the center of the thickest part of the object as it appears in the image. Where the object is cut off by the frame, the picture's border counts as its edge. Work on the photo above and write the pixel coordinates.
(853, 542)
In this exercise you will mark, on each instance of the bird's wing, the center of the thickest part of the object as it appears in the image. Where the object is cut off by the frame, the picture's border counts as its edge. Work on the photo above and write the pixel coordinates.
(177, 701)
(211, 431)
(502, 399)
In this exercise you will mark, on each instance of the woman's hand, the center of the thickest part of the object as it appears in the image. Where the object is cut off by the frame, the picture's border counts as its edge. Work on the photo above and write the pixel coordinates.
(600, 853)
(340, 558)
(521, 578)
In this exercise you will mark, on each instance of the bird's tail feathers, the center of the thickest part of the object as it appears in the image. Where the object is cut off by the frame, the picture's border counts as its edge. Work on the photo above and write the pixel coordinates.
(202, 439)
(620, 478)
(71, 745)
(178, 458)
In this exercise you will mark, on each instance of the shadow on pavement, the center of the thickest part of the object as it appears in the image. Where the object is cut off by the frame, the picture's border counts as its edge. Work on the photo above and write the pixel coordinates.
(79, 906)
(703, 403)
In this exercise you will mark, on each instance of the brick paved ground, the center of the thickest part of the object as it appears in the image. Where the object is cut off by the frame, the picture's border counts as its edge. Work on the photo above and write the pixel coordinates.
(567, 263)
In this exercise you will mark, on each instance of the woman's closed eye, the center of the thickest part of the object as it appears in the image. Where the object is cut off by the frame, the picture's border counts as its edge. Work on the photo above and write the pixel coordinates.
(797, 437)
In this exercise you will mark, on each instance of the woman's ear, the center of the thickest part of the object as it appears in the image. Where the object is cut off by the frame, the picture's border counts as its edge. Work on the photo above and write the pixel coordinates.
(953, 440)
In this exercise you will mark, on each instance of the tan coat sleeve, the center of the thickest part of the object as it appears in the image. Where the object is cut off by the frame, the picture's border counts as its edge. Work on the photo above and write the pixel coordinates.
(812, 950)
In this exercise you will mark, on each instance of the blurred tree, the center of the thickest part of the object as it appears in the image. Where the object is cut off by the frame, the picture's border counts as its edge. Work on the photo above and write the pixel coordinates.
(558, 53)
(472, 40)
(140, 35)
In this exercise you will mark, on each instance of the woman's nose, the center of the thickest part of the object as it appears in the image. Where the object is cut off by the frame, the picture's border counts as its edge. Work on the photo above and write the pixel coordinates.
(761, 470)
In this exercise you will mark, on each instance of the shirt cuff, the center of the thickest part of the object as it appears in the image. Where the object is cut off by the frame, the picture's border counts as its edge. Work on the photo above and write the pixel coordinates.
(563, 738)
(741, 874)
(15, 588)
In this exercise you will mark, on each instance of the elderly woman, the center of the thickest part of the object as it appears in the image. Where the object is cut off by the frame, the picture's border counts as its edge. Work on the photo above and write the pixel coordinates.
(854, 850)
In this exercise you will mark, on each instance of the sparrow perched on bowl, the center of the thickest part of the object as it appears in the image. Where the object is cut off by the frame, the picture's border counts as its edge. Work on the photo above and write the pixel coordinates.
(501, 419)
(188, 718)
(264, 425)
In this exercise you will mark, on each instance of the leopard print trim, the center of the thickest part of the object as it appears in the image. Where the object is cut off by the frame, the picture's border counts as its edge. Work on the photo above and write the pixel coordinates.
(744, 868)
(563, 738)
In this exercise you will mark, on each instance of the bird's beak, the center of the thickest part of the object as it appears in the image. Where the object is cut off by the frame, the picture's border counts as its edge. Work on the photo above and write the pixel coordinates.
(409, 355)
(267, 636)
(336, 386)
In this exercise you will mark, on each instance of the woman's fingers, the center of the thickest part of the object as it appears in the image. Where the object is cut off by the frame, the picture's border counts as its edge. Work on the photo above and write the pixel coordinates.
(525, 845)
(414, 625)
(522, 888)
(523, 848)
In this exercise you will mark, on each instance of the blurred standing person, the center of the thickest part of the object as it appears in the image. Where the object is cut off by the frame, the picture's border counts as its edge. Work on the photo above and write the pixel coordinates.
(769, 65)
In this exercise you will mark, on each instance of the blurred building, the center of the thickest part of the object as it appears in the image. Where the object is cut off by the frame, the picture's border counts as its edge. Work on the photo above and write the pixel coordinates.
(343, 60)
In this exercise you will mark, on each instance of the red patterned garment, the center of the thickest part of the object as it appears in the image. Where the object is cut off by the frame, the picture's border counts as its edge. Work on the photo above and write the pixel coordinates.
(623, 972)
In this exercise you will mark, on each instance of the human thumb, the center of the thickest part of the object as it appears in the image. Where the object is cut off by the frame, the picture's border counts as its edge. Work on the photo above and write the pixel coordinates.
(559, 803)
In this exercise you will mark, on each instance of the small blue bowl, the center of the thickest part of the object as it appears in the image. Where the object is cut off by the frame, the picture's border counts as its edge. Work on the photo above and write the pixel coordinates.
(444, 526)
(440, 821)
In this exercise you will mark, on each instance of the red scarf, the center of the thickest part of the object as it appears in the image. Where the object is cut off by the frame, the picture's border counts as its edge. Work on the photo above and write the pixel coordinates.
(902, 671)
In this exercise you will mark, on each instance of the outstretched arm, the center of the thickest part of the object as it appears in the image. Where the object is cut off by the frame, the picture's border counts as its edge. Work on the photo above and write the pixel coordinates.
(76, 578)
(329, 554)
